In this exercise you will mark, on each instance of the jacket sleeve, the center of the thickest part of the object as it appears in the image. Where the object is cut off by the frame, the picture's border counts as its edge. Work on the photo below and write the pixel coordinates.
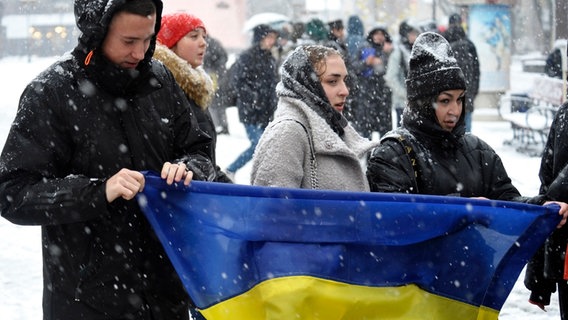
(389, 169)
(242, 80)
(554, 187)
(35, 187)
(554, 164)
(279, 159)
(192, 146)
(498, 183)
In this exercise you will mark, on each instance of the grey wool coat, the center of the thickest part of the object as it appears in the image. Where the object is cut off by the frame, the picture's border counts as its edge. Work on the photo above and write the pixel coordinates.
(282, 157)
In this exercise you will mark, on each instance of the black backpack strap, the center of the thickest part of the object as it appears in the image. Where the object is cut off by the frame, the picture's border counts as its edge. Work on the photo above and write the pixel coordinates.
(410, 153)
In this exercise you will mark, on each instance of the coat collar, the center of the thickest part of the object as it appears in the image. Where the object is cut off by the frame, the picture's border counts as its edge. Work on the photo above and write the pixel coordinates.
(196, 83)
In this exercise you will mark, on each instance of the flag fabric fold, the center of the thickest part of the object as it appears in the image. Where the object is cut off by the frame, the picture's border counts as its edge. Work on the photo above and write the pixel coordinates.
(246, 252)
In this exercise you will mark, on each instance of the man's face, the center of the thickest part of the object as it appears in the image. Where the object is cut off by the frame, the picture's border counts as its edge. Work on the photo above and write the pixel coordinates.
(339, 33)
(128, 38)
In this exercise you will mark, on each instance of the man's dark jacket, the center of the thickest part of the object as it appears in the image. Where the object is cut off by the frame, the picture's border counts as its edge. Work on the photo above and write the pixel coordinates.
(254, 75)
(546, 268)
(78, 123)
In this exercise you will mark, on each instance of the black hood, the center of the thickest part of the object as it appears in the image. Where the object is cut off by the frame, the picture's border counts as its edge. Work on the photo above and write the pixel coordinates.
(93, 19)
(419, 117)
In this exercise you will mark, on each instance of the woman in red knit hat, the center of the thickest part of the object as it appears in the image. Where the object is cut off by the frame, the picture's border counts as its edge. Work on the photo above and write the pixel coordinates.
(181, 47)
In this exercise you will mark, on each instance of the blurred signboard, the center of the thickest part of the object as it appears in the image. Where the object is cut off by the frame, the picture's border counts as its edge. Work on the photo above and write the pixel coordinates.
(490, 31)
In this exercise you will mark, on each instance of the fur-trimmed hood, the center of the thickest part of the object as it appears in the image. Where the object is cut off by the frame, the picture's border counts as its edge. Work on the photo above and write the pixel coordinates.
(195, 82)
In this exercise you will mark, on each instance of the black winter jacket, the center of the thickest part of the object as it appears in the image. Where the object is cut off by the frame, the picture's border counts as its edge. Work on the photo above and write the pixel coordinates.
(422, 158)
(547, 266)
(254, 76)
(77, 125)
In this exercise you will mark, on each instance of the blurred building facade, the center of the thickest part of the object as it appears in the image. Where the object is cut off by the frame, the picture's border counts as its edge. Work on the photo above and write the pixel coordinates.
(36, 27)
(47, 27)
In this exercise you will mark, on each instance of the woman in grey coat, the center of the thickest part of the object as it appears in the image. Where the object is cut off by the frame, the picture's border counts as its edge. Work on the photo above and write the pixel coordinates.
(309, 144)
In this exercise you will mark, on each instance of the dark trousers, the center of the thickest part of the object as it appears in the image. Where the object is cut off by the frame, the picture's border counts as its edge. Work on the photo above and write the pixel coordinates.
(563, 299)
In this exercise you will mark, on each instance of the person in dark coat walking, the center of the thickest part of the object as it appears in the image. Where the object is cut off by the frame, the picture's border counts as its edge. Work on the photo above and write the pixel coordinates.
(547, 271)
(553, 63)
(373, 110)
(336, 37)
(355, 36)
(431, 153)
(182, 48)
(255, 75)
(215, 63)
(397, 68)
(465, 53)
(85, 129)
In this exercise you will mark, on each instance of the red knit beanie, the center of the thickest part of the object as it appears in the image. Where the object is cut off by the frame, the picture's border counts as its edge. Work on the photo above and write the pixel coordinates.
(176, 25)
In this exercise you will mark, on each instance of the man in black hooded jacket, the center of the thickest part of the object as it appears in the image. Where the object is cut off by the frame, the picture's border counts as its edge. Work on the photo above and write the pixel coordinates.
(85, 128)
(547, 271)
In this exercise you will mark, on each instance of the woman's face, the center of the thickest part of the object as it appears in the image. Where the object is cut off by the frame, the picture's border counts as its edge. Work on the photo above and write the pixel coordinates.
(448, 107)
(379, 37)
(192, 47)
(333, 81)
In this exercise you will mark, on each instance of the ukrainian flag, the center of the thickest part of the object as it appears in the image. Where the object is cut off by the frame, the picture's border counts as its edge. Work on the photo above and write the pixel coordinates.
(246, 252)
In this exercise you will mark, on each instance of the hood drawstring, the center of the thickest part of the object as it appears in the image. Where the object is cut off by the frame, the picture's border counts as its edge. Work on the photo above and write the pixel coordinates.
(88, 58)
(565, 275)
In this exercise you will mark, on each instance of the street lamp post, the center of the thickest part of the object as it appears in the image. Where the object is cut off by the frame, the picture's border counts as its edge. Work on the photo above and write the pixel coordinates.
(27, 4)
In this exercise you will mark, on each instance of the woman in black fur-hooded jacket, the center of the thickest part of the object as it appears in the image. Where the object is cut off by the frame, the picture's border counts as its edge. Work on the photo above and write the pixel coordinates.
(182, 46)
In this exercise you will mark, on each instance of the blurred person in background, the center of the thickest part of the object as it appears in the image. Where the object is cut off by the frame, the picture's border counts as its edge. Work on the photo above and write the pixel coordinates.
(553, 65)
(465, 53)
(355, 36)
(336, 37)
(215, 63)
(354, 40)
(398, 66)
(254, 76)
(374, 107)
(316, 32)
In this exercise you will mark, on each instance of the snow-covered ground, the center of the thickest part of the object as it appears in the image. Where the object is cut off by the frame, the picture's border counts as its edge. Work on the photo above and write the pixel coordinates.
(20, 247)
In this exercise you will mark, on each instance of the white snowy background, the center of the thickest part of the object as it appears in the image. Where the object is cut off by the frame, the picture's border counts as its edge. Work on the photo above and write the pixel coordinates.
(20, 246)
